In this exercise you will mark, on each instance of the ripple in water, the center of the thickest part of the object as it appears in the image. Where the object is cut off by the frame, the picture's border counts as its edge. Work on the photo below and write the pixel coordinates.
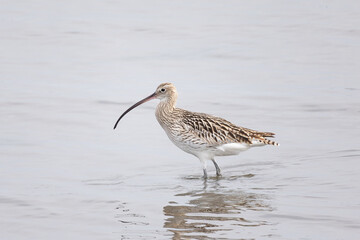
(213, 211)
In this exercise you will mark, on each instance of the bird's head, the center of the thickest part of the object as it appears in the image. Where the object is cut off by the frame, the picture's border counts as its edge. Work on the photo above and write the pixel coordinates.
(164, 92)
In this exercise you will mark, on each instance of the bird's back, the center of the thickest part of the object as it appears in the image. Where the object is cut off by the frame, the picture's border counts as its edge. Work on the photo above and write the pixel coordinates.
(193, 131)
(219, 131)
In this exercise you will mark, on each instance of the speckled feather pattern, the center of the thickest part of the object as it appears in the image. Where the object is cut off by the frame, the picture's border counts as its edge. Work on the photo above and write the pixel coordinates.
(200, 134)
(193, 131)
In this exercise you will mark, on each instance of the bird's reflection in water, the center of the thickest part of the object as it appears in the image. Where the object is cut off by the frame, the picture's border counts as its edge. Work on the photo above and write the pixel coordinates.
(213, 209)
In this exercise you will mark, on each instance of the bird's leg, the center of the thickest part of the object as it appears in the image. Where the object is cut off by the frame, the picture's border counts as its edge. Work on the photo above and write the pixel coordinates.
(205, 173)
(218, 172)
(204, 163)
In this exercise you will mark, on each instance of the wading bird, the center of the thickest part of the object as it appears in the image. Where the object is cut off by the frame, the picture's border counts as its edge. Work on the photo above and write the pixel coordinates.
(199, 134)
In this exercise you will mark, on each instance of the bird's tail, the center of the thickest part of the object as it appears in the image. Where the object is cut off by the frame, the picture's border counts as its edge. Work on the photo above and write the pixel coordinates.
(268, 142)
(261, 137)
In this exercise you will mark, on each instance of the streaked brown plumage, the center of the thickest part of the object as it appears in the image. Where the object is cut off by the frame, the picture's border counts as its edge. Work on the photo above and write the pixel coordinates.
(200, 134)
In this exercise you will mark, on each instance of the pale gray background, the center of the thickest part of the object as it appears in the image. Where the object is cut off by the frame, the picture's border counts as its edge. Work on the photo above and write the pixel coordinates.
(70, 68)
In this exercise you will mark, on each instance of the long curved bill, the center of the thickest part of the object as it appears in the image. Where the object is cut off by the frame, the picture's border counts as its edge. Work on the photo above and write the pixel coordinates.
(152, 96)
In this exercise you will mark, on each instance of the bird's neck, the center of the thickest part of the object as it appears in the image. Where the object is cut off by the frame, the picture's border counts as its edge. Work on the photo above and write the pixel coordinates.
(167, 104)
(165, 110)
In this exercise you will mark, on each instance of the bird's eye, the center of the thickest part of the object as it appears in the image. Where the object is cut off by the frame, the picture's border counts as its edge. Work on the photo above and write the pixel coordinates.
(162, 90)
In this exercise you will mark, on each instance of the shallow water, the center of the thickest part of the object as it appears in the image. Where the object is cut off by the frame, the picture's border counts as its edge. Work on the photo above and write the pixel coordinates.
(69, 69)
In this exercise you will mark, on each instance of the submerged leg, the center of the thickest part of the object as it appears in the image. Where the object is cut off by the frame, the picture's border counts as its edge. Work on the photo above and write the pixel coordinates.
(205, 173)
(218, 172)
(204, 164)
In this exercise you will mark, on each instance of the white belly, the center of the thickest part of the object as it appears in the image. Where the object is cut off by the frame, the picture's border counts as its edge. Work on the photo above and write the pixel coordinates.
(200, 147)
(231, 149)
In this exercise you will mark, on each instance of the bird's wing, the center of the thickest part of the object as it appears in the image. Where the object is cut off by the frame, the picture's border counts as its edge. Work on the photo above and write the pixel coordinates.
(215, 130)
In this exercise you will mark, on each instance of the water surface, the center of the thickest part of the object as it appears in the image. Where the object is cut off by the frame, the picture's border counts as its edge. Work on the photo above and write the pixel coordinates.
(69, 69)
